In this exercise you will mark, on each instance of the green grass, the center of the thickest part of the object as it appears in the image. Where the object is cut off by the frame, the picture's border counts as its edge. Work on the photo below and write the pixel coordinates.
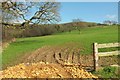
(85, 39)
(108, 72)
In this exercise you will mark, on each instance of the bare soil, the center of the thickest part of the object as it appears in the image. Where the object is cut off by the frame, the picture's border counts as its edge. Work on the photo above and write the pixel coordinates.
(67, 54)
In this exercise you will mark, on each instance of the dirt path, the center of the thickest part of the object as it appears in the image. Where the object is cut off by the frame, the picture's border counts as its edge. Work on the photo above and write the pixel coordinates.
(65, 54)
(60, 55)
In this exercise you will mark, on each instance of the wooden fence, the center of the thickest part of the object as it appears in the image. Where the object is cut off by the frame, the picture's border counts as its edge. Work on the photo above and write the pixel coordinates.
(96, 53)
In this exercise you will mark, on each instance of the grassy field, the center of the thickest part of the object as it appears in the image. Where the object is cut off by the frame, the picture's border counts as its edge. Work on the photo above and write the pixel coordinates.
(108, 72)
(84, 39)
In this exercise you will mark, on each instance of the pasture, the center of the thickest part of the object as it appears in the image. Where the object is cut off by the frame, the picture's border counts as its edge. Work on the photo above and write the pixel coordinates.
(83, 40)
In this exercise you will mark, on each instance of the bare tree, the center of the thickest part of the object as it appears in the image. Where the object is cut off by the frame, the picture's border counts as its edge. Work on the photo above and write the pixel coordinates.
(77, 20)
(76, 24)
(114, 22)
(46, 12)
(110, 22)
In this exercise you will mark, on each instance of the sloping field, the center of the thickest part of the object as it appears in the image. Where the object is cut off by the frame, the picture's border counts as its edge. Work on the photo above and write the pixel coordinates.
(23, 48)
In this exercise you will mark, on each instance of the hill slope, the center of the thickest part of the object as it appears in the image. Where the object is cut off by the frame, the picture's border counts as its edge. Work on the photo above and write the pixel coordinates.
(84, 41)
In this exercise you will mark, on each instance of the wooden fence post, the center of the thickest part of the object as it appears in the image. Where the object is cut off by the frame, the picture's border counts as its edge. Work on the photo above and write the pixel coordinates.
(95, 56)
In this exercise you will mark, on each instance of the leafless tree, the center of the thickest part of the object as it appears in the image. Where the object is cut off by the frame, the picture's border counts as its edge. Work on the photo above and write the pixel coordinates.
(110, 22)
(45, 12)
(77, 20)
(76, 24)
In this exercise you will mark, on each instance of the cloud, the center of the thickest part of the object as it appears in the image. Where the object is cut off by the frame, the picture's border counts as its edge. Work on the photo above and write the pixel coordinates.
(111, 17)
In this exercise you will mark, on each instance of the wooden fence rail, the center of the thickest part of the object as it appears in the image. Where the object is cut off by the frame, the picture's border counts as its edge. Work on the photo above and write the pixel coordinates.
(96, 53)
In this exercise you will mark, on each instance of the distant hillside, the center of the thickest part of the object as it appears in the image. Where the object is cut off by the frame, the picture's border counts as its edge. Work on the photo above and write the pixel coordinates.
(32, 30)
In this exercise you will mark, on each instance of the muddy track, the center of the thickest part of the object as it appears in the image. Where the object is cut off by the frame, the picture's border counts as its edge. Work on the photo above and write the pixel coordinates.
(58, 55)
(51, 55)
(38, 55)
(61, 55)
(70, 56)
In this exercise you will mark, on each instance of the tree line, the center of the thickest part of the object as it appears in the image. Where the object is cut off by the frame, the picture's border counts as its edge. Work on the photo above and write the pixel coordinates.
(32, 30)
